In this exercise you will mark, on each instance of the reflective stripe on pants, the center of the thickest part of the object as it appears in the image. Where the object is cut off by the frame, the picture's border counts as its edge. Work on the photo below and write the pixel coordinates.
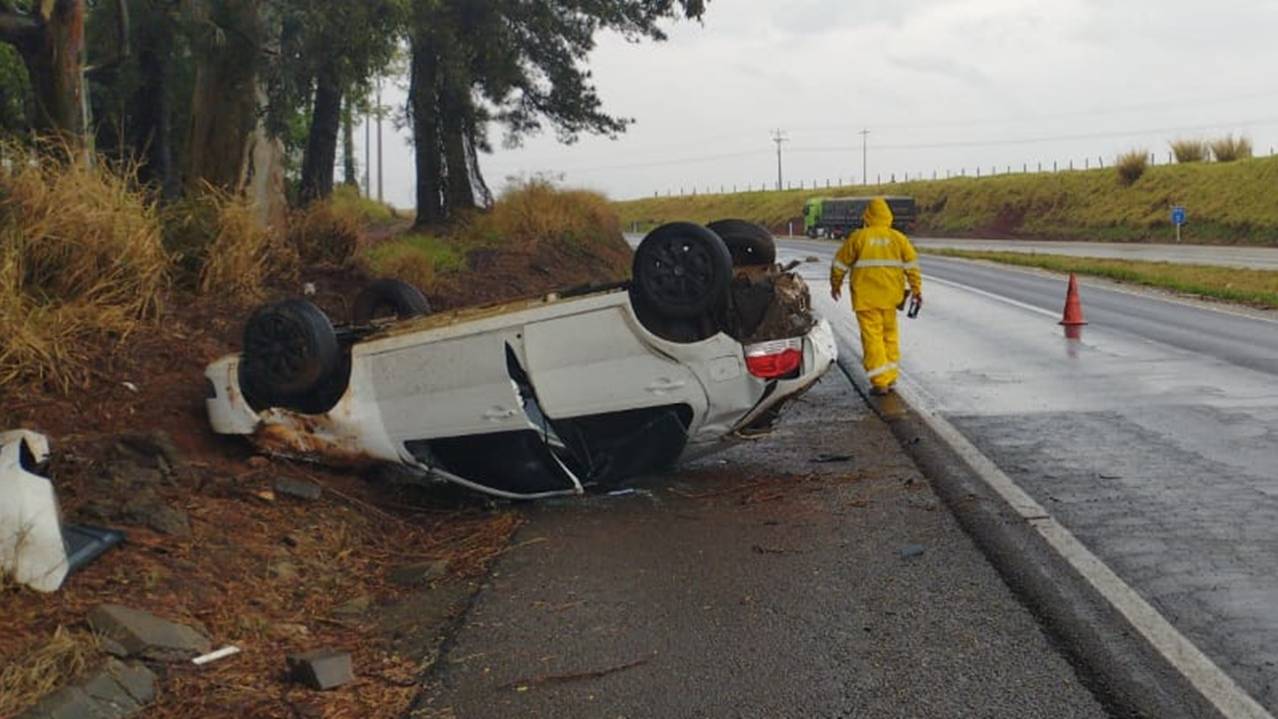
(880, 345)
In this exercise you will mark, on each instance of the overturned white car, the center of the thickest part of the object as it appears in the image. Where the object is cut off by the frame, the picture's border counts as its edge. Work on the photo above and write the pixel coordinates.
(540, 397)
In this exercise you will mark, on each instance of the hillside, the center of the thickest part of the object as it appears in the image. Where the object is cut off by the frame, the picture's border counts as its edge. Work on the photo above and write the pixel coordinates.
(1228, 203)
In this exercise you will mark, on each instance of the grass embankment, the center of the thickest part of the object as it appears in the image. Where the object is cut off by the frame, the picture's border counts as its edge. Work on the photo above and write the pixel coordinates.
(1228, 203)
(1252, 287)
(535, 239)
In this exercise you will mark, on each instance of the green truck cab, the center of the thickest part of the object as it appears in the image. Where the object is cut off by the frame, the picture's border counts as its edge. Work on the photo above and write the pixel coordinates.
(837, 216)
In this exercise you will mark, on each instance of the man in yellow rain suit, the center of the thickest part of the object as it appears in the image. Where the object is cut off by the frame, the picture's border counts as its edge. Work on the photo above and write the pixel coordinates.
(880, 260)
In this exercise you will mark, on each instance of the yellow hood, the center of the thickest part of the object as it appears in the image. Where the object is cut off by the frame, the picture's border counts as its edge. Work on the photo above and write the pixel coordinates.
(877, 213)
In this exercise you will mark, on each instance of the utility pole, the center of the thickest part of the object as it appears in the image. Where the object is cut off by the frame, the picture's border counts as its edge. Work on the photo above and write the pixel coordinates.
(779, 137)
(380, 174)
(368, 155)
(865, 177)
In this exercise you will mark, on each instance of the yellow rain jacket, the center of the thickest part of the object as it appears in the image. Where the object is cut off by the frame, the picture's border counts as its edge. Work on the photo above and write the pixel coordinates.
(880, 259)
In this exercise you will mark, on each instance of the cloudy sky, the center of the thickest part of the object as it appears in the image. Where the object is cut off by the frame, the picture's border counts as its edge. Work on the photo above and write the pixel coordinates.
(941, 85)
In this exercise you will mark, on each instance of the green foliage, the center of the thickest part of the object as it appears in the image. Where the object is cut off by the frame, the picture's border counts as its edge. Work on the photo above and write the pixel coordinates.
(1252, 287)
(416, 258)
(15, 91)
(1189, 150)
(1131, 165)
(348, 200)
(1229, 148)
(1228, 203)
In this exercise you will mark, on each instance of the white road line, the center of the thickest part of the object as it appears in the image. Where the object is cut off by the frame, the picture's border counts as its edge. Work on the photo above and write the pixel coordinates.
(1201, 672)
(991, 295)
(1151, 293)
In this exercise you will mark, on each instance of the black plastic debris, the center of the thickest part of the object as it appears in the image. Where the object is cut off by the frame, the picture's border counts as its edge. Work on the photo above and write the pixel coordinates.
(86, 543)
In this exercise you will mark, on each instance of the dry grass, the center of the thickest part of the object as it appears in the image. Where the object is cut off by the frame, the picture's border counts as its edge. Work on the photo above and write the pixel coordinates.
(414, 258)
(563, 232)
(1190, 150)
(1230, 148)
(1258, 288)
(1131, 165)
(45, 667)
(326, 232)
(81, 260)
(536, 211)
(222, 248)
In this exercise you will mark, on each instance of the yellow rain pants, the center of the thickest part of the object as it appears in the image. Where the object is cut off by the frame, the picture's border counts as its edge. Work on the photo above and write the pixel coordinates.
(880, 343)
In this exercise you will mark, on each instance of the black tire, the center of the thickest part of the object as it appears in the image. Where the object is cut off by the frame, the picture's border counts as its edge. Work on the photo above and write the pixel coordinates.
(290, 352)
(388, 298)
(748, 244)
(682, 271)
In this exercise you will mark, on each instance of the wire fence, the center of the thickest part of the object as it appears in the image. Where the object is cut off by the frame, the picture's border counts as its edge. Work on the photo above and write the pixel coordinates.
(979, 171)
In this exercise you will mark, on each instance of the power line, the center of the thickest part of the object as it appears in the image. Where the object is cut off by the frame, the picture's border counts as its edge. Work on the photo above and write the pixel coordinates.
(1044, 138)
(1039, 117)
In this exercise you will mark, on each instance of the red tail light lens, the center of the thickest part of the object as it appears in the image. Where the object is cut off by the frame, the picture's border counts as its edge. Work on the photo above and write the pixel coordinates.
(770, 360)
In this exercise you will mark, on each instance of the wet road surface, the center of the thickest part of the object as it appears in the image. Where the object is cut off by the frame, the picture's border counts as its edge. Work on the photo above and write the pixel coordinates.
(1154, 438)
(778, 579)
(1259, 258)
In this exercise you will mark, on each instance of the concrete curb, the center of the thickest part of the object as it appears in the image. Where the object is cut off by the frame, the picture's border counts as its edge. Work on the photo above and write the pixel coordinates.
(1120, 667)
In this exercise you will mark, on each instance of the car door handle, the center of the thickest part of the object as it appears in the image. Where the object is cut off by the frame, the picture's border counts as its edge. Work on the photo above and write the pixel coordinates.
(665, 386)
(497, 414)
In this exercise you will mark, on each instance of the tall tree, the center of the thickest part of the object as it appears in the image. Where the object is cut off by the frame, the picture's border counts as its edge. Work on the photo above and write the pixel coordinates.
(527, 71)
(342, 45)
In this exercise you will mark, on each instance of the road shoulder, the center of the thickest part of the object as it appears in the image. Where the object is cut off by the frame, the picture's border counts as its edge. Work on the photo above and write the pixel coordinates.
(812, 574)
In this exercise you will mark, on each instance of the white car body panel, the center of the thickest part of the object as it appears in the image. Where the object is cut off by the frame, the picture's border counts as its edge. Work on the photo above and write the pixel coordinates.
(31, 544)
(447, 376)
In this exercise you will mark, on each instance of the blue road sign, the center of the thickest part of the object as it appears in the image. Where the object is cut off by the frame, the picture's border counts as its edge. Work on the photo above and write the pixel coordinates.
(1178, 215)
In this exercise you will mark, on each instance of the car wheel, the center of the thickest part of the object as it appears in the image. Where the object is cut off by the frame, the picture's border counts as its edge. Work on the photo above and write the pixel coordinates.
(290, 351)
(748, 244)
(682, 271)
(389, 298)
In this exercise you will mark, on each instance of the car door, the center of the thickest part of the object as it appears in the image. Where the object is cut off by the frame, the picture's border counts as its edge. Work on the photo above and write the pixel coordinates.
(593, 362)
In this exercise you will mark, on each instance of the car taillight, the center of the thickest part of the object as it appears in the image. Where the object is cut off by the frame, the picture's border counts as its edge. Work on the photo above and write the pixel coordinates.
(770, 360)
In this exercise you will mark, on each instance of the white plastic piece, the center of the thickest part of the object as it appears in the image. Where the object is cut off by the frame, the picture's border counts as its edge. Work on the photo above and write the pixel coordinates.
(31, 546)
(223, 653)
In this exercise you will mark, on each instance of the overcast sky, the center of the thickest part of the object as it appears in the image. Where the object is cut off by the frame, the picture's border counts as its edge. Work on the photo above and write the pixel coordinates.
(942, 85)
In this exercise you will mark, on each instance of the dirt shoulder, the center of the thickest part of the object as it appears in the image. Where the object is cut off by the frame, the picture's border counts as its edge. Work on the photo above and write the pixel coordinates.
(813, 574)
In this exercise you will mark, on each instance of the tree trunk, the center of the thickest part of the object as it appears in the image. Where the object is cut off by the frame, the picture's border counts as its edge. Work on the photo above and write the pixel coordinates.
(224, 109)
(52, 47)
(350, 171)
(153, 132)
(423, 98)
(320, 156)
(453, 108)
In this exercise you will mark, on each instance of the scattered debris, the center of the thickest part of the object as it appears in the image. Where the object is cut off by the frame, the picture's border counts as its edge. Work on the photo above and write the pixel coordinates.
(116, 691)
(156, 444)
(31, 544)
(524, 685)
(297, 488)
(811, 259)
(355, 607)
(131, 387)
(145, 636)
(831, 458)
(419, 573)
(1102, 475)
(211, 657)
(912, 551)
(322, 669)
(758, 549)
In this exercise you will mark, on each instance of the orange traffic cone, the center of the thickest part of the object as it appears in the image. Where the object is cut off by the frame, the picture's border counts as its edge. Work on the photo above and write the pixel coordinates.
(1073, 306)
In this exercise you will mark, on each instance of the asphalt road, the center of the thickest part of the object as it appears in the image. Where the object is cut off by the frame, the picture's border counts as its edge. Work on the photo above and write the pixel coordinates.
(1259, 258)
(762, 582)
(1154, 438)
